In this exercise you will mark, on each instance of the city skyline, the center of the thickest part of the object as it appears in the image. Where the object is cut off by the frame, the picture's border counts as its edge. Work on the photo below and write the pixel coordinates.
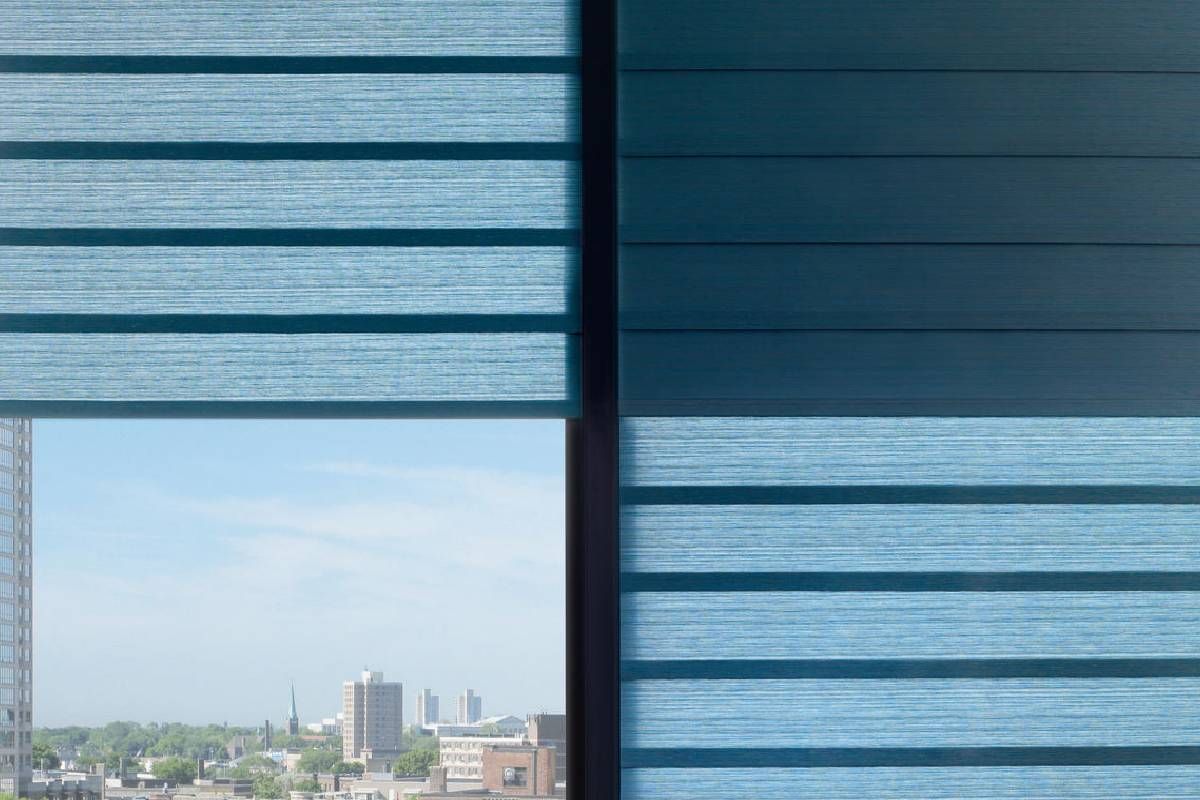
(220, 561)
(331, 712)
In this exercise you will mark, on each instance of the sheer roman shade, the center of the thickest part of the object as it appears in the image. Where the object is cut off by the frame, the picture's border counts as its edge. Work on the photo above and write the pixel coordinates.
(909, 455)
(345, 207)
(919, 607)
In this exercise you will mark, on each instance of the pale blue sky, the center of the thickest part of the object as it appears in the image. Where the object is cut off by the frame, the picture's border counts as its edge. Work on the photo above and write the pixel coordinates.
(188, 570)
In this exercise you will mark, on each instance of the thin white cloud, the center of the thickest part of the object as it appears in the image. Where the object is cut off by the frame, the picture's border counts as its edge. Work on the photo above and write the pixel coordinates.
(396, 574)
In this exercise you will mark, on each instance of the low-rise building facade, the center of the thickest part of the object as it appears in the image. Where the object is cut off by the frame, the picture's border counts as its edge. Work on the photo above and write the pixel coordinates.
(519, 770)
(462, 756)
(550, 730)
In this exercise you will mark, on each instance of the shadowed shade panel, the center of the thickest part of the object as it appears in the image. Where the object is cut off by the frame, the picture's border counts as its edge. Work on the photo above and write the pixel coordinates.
(914, 372)
(1101, 35)
(909, 113)
(912, 287)
(910, 200)
(909, 349)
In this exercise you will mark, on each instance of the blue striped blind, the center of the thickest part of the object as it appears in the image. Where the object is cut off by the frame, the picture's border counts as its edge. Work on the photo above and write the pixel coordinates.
(910, 607)
(909, 345)
(348, 207)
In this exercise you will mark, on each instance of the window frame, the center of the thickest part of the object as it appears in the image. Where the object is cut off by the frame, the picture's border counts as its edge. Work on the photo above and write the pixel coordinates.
(593, 581)
(592, 572)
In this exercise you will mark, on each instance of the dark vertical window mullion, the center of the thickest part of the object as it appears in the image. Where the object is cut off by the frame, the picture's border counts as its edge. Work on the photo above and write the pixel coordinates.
(593, 592)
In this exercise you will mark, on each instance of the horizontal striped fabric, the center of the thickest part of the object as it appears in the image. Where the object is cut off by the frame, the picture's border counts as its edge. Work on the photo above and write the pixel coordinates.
(909, 356)
(909, 607)
(350, 208)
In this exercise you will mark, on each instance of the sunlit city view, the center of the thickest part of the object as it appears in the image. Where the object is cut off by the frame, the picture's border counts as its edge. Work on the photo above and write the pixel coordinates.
(350, 610)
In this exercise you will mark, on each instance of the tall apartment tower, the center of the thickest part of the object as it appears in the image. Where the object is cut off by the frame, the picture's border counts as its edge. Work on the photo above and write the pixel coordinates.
(373, 717)
(16, 596)
(427, 707)
(470, 708)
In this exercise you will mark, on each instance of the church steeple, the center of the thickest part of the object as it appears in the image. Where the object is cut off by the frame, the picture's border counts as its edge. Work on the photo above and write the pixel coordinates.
(293, 720)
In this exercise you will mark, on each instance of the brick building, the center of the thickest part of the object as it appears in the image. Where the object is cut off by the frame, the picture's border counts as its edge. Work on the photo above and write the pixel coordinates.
(550, 730)
(519, 771)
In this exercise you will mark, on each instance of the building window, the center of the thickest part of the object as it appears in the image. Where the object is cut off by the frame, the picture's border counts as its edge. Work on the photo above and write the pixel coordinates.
(516, 776)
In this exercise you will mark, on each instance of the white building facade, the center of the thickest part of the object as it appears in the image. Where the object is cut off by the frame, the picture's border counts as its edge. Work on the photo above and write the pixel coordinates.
(427, 708)
(16, 605)
(462, 756)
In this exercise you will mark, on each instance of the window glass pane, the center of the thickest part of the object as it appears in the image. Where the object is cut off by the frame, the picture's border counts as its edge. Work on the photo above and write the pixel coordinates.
(191, 526)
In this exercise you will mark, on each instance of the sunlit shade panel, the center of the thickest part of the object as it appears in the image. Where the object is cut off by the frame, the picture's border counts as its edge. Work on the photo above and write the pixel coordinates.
(909, 607)
(343, 208)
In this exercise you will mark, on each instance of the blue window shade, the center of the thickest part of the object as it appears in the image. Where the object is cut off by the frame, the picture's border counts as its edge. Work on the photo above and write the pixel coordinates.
(855, 451)
(511, 28)
(928, 783)
(333, 208)
(425, 367)
(522, 281)
(262, 108)
(909, 607)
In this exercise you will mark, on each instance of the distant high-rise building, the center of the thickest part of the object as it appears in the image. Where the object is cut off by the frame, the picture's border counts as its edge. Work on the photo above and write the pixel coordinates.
(373, 716)
(470, 708)
(293, 719)
(427, 708)
(16, 635)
